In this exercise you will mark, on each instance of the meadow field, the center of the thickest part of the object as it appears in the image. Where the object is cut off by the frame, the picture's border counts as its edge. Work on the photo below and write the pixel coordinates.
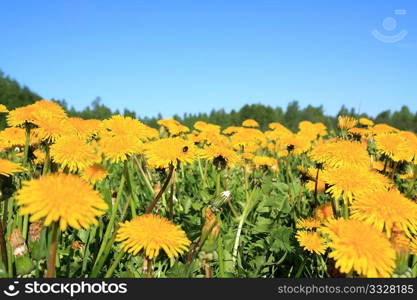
(116, 198)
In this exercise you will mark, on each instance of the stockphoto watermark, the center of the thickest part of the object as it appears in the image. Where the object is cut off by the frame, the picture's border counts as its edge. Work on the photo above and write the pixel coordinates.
(62, 288)
(391, 33)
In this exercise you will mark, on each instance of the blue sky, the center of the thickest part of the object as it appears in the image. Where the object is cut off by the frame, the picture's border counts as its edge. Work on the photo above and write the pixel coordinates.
(192, 56)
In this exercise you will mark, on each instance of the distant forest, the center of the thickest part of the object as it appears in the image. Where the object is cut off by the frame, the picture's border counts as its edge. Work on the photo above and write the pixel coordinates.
(13, 95)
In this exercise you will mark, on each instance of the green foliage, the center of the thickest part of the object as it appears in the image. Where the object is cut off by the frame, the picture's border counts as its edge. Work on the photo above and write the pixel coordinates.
(14, 95)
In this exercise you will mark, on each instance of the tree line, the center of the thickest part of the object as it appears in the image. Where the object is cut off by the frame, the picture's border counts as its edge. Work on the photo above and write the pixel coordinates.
(13, 95)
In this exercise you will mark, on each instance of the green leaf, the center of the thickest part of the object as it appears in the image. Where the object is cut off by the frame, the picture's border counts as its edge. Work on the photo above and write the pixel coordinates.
(281, 238)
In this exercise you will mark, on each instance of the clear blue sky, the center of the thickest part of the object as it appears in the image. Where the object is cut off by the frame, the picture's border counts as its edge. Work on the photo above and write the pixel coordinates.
(192, 56)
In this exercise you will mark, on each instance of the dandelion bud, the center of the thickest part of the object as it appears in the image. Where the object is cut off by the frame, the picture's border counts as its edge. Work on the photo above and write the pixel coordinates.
(156, 188)
(324, 211)
(20, 251)
(18, 244)
(77, 245)
(35, 230)
(401, 245)
(211, 229)
(37, 240)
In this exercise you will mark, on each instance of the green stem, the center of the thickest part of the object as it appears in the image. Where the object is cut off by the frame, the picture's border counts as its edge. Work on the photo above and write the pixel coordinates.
(336, 207)
(161, 192)
(220, 256)
(25, 226)
(145, 177)
(412, 182)
(316, 187)
(246, 210)
(3, 248)
(384, 171)
(171, 199)
(100, 262)
(27, 143)
(345, 209)
(5, 212)
(51, 272)
(9, 225)
(147, 266)
(203, 178)
(218, 185)
(90, 239)
(114, 264)
(47, 165)
(394, 169)
(132, 187)
(110, 225)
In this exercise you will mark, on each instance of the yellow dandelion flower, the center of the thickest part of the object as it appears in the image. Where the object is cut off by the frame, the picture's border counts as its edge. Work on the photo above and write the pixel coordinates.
(119, 148)
(383, 129)
(206, 127)
(366, 122)
(278, 127)
(62, 198)
(173, 126)
(410, 143)
(250, 138)
(39, 156)
(312, 130)
(211, 137)
(360, 132)
(310, 175)
(50, 107)
(357, 246)
(277, 135)
(126, 126)
(34, 113)
(407, 176)
(345, 122)
(152, 233)
(265, 161)
(394, 146)
(94, 173)
(50, 128)
(232, 129)
(220, 154)
(12, 137)
(379, 166)
(311, 241)
(8, 168)
(200, 125)
(340, 153)
(21, 115)
(248, 155)
(350, 182)
(384, 208)
(309, 223)
(163, 152)
(324, 211)
(311, 185)
(250, 123)
(73, 153)
(296, 143)
(85, 129)
(3, 109)
(399, 240)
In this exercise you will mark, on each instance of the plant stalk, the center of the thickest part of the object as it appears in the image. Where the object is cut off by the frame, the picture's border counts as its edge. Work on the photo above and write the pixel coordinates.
(51, 272)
